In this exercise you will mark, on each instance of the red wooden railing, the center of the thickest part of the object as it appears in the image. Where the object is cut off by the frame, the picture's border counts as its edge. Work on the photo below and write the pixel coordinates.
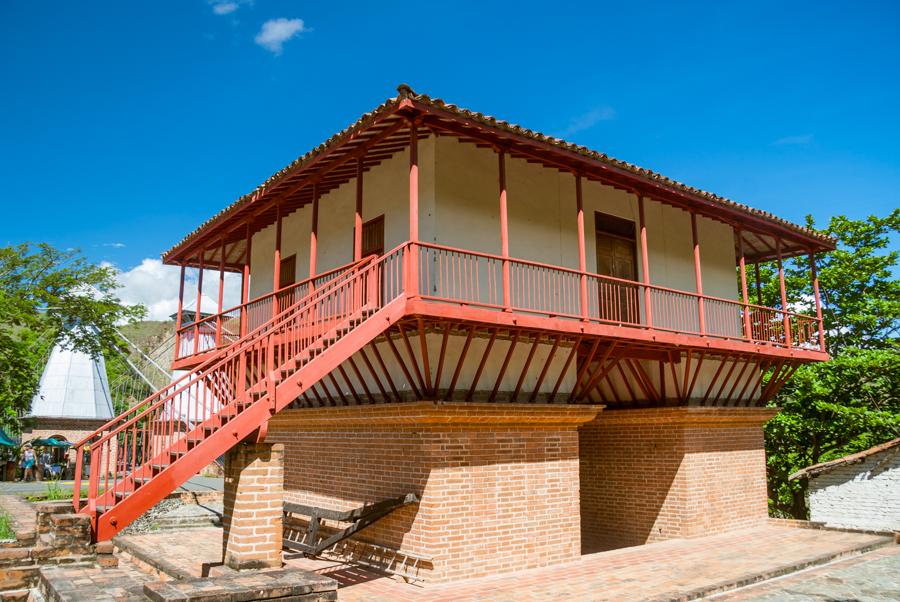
(473, 278)
(223, 329)
(131, 449)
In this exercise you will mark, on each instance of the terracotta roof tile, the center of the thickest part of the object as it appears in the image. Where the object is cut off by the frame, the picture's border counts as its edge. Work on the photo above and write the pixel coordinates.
(405, 92)
(817, 469)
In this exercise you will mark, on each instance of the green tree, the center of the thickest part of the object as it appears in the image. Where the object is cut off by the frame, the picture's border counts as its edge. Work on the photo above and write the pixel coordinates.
(48, 295)
(852, 402)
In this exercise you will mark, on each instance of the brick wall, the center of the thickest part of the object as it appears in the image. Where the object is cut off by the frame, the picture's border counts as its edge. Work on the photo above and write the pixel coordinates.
(498, 484)
(654, 474)
(863, 495)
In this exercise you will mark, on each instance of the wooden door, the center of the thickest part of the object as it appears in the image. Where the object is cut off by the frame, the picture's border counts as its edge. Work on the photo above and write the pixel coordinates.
(617, 257)
(373, 237)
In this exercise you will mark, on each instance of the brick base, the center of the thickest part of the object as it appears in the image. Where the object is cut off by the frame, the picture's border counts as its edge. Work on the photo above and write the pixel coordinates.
(654, 474)
(498, 483)
(252, 516)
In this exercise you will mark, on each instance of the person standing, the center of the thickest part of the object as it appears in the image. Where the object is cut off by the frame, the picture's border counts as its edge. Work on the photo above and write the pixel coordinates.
(28, 462)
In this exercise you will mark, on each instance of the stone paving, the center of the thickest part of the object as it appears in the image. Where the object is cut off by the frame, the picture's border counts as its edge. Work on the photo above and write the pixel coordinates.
(871, 577)
(89, 584)
(683, 569)
(195, 484)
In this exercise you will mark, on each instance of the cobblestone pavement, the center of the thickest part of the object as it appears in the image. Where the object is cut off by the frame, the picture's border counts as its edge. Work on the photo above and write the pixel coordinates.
(675, 568)
(38, 487)
(871, 577)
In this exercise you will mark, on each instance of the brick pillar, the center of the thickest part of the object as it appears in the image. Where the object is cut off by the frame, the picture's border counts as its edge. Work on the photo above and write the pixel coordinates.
(254, 484)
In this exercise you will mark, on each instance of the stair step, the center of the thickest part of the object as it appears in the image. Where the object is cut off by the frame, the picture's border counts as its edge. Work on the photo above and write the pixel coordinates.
(159, 467)
(176, 454)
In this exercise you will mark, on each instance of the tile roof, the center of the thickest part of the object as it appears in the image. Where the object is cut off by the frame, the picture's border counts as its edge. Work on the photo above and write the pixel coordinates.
(405, 93)
(817, 469)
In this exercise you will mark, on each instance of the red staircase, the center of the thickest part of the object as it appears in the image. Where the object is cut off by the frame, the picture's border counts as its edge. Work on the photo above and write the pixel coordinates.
(144, 454)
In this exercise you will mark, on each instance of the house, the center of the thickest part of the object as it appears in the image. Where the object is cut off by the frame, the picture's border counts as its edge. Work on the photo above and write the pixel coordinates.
(72, 401)
(557, 352)
(858, 491)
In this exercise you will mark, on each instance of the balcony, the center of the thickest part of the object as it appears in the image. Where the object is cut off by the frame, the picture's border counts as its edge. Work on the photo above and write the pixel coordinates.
(485, 288)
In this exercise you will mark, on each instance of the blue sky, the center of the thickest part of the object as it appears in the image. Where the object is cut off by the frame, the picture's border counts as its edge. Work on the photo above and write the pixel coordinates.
(126, 124)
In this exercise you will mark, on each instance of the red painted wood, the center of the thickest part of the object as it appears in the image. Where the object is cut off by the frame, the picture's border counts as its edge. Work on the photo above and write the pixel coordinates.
(357, 215)
(742, 264)
(783, 291)
(645, 263)
(276, 269)
(818, 300)
(314, 231)
(504, 228)
(412, 258)
(697, 275)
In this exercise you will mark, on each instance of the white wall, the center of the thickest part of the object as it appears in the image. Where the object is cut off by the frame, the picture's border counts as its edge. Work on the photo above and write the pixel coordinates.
(458, 207)
(858, 496)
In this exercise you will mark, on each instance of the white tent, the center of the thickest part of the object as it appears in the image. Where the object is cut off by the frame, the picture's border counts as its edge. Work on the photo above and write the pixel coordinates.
(73, 385)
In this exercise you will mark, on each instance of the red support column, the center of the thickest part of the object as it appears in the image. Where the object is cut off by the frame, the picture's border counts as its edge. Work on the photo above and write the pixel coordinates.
(412, 283)
(504, 229)
(742, 261)
(758, 283)
(178, 319)
(784, 305)
(221, 293)
(276, 270)
(645, 262)
(314, 232)
(582, 260)
(818, 298)
(357, 217)
(245, 284)
(199, 298)
(697, 275)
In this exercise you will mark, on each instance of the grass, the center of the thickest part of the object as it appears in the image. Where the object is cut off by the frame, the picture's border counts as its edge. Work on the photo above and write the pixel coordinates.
(55, 491)
(6, 529)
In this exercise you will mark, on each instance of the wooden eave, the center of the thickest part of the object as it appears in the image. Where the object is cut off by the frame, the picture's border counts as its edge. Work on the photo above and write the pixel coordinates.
(382, 133)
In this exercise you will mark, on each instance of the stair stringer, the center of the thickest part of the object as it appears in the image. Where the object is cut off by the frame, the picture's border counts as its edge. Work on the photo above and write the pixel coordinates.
(245, 423)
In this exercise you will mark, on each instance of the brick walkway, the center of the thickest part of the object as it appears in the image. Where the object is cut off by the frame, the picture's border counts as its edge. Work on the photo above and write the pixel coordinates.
(682, 568)
(872, 577)
(21, 513)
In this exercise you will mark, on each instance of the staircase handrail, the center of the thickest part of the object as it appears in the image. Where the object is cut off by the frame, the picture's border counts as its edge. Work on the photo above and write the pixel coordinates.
(223, 355)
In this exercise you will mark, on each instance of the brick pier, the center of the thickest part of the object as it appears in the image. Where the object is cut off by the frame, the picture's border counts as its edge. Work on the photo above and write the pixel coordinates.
(252, 517)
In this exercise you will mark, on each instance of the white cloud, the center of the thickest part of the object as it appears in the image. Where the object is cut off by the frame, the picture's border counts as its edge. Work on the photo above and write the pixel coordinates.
(226, 7)
(801, 140)
(590, 119)
(155, 286)
(275, 32)
(114, 245)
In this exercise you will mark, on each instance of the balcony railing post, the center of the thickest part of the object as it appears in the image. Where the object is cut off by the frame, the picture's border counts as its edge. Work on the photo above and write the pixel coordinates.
(645, 263)
(748, 333)
(582, 261)
(701, 314)
(178, 319)
(276, 269)
(504, 230)
(784, 306)
(197, 313)
(245, 284)
(412, 282)
(815, 283)
(221, 294)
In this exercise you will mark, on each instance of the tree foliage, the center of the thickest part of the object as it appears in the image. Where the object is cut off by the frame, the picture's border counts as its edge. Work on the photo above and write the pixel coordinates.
(48, 295)
(851, 403)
